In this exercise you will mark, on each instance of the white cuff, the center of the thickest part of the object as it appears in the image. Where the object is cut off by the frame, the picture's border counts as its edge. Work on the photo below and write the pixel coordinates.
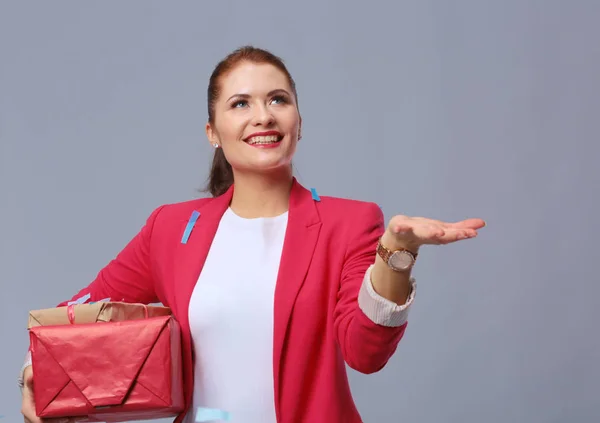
(26, 364)
(381, 310)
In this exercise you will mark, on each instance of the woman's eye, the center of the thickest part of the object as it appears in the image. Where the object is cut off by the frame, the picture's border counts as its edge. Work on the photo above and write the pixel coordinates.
(279, 99)
(239, 103)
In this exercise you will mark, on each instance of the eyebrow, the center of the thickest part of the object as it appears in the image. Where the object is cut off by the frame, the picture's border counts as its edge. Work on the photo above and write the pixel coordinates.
(269, 94)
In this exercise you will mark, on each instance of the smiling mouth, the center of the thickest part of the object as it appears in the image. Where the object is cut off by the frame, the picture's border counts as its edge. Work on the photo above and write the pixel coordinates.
(264, 140)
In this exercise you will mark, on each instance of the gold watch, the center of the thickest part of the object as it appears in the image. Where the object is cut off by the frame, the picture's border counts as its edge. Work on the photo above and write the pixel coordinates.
(400, 260)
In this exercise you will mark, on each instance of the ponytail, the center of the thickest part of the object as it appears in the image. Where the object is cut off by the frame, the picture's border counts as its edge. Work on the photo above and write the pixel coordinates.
(221, 174)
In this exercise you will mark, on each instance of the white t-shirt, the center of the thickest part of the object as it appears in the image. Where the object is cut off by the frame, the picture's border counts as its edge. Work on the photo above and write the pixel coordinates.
(231, 319)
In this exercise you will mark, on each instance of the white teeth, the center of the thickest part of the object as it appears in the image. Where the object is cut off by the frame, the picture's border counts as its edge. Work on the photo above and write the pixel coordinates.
(269, 139)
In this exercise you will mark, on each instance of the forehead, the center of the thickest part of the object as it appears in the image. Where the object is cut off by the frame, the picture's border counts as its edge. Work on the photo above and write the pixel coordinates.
(253, 79)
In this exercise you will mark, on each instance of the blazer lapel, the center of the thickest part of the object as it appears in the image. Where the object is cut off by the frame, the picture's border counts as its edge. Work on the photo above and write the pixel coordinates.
(301, 237)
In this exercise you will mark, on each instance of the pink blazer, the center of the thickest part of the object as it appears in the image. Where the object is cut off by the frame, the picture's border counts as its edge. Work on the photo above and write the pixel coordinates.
(329, 244)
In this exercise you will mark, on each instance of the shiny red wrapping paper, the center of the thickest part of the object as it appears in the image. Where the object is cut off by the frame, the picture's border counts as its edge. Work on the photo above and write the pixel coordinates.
(108, 372)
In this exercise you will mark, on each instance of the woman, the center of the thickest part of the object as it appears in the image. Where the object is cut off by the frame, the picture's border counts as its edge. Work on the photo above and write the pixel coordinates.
(275, 288)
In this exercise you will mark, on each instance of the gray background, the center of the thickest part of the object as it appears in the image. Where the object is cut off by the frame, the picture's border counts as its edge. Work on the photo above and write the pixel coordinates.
(446, 109)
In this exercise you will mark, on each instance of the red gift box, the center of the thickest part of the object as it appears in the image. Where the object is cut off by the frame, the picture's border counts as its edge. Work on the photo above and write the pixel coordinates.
(108, 372)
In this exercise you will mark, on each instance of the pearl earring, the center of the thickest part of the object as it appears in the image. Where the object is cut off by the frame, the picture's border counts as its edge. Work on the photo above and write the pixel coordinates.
(216, 145)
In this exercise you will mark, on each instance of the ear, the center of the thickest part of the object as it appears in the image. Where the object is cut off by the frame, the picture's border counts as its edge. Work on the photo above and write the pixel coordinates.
(212, 136)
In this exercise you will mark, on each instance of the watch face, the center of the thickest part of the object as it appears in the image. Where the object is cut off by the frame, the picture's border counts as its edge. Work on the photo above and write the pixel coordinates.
(401, 260)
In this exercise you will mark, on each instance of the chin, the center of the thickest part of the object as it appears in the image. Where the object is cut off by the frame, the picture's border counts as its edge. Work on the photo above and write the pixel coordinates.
(268, 160)
(264, 166)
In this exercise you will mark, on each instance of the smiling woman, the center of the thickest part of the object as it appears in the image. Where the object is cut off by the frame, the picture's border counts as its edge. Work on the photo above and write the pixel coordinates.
(257, 99)
(275, 287)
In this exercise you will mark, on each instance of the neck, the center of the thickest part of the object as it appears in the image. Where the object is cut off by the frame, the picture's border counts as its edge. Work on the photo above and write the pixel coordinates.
(261, 195)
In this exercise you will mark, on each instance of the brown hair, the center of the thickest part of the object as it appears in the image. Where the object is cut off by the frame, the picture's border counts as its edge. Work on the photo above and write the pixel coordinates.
(221, 175)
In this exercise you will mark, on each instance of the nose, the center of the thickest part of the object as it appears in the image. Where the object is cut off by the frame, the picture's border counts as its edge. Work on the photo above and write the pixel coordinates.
(262, 116)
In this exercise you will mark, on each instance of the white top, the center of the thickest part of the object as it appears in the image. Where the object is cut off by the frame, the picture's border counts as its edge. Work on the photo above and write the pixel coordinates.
(231, 319)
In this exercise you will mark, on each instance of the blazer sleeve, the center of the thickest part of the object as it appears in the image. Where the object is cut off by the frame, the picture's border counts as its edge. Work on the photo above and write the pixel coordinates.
(129, 276)
(365, 344)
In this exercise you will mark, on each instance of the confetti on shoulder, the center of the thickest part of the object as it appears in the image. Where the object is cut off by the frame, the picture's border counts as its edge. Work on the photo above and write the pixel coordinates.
(315, 196)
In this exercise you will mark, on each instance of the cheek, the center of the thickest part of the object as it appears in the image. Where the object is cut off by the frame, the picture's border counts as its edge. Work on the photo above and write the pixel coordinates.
(290, 121)
(231, 129)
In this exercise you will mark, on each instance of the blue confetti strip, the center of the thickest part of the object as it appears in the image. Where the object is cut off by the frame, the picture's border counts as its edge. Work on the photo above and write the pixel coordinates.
(315, 196)
(190, 226)
(80, 300)
(209, 414)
